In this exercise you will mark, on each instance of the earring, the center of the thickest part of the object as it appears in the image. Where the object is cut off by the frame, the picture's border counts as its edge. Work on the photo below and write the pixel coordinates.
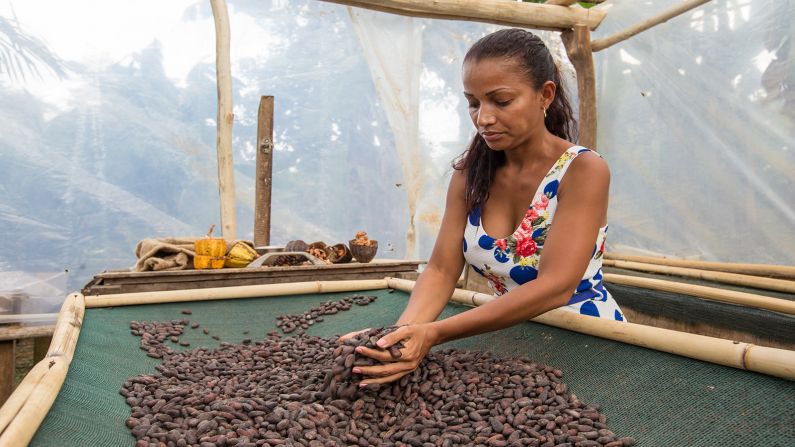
(545, 111)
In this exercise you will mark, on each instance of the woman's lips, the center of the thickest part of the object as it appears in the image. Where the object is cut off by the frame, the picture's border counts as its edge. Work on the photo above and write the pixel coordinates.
(491, 136)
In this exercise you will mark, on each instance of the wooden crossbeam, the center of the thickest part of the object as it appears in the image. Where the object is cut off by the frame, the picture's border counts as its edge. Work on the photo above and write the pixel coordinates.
(500, 12)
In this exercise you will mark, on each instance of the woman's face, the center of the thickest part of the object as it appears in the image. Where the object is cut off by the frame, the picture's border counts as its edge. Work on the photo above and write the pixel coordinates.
(505, 108)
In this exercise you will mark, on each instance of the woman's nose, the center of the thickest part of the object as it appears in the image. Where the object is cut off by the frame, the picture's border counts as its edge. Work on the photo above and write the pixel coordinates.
(485, 117)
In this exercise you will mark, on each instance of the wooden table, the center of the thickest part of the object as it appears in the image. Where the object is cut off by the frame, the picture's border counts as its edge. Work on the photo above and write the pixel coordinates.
(127, 282)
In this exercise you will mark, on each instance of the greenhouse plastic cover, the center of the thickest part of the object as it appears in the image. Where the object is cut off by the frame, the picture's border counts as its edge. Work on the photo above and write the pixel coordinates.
(109, 126)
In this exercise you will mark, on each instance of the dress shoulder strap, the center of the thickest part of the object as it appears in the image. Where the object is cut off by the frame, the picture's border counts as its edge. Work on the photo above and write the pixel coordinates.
(559, 170)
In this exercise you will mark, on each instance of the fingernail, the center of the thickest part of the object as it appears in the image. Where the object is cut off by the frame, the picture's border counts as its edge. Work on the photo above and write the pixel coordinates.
(362, 384)
(357, 370)
(359, 349)
(381, 343)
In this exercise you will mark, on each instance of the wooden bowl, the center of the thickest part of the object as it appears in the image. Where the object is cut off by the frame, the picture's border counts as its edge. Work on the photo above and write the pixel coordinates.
(363, 253)
(335, 258)
(296, 245)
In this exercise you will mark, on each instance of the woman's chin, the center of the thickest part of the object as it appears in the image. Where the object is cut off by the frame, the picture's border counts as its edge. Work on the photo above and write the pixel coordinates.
(496, 146)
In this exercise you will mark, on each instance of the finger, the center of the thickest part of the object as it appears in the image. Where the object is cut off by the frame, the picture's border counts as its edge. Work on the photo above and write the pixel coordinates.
(342, 338)
(383, 370)
(377, 354)
(386, 379)
(393, 337)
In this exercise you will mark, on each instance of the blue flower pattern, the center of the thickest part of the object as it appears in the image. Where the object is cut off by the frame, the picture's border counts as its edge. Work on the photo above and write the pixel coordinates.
(509, 263)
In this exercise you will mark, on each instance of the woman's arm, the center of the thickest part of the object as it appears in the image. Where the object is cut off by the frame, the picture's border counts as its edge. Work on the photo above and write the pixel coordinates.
(581, 211)
(437, 281)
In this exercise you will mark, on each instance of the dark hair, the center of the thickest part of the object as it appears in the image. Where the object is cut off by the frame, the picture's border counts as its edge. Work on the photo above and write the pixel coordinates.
(479, 161)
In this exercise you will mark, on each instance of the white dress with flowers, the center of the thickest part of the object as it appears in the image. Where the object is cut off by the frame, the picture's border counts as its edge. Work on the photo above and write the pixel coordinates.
(510, 262)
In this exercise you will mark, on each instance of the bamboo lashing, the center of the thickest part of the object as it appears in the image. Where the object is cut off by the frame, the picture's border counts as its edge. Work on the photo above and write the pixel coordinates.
(770, 270)
(217, 293)
(762, 359)
(500, 12)
(710, 293)
(226, 174)
(780, 285)
(601, 44)
(27, 407)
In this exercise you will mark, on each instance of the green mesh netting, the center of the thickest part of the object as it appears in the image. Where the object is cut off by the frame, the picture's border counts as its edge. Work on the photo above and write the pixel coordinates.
(659, 399)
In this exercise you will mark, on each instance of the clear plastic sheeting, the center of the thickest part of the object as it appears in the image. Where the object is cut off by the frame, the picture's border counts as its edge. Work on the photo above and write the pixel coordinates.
(108, 127)
(697, 122)
(31, 293)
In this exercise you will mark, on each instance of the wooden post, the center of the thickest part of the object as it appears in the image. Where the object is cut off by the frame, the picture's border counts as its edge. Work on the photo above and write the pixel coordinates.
(578, 47)
(264, 174)
(226, 173)
(7, 368)
(40, 347)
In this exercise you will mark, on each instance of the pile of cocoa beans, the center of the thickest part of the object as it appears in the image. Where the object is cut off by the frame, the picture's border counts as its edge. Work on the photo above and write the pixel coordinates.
(290, 391)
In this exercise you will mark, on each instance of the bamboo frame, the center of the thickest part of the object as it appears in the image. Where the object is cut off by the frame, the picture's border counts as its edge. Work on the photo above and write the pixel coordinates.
(500, 12)
(709, 293)
(217, 293)
(226, 174)
(762, 359)
(769, 270)
(780, 285)
(27, 407)
(601, 44)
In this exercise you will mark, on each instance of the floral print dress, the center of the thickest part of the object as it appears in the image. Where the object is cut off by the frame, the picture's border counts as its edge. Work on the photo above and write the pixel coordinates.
(510, 262)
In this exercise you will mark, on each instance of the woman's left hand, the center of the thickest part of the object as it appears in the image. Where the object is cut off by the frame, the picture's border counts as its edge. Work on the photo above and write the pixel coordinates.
(417, 339)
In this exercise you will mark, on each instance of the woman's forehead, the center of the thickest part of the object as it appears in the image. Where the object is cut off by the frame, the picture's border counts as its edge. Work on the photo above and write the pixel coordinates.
(486, 75)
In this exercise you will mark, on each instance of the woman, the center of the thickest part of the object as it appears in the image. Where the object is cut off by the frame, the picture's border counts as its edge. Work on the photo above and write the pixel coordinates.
(519, 174)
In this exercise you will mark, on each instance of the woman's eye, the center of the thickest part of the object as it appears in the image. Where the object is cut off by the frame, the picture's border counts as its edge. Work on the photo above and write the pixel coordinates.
(473, 105)
(502, 103)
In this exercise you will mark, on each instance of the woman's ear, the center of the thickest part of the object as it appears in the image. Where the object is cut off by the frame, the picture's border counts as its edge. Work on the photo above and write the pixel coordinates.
(547, 92)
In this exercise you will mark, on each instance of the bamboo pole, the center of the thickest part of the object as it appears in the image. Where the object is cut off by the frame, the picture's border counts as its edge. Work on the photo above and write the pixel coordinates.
(25, 388)
(500, 12)
(24, 318)
(24, 424)
(762, 359)
(30, 402)
(601, 44)
(217, 293)
(770, 270)
(21, 333)
(67, 328)
(578, 46)
(710, 293)
(263, 180)
(226, 174)
(780, 285)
